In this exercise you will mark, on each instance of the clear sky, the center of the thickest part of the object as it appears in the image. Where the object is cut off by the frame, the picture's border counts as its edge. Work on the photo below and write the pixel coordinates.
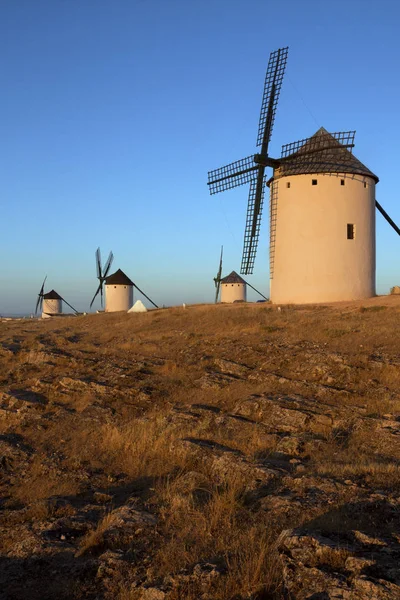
(113, 111)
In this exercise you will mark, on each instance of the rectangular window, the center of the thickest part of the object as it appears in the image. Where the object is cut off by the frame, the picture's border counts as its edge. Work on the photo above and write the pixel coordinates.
(314, 182)
(288, 184)
(365, 184)
(351, 231)
(342, 182)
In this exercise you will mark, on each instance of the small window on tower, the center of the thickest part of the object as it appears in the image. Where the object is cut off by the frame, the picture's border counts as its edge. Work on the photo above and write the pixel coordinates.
(288, 184)
(314, 182)
(350, 231)
(115, 287)
(365, 184)
(342, 182)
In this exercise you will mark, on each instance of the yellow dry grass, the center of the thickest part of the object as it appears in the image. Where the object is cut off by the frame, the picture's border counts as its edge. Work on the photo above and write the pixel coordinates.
(153, 401)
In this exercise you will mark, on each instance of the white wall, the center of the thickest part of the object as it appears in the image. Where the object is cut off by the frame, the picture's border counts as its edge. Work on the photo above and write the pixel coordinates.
(53, 307)
(313, 259)
(118, 297)
(230, 292)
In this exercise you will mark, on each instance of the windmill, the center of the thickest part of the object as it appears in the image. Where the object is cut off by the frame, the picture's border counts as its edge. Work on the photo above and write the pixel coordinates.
(119, 292)
(233, 280)
(50, 304)
(101, 274)
(312, 220)
(217, 279)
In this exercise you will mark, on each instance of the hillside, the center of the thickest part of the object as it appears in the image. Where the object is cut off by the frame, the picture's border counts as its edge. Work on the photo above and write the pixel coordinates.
(215, 452)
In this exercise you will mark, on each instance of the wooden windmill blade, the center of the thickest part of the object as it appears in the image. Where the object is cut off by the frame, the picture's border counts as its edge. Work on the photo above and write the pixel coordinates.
(253, 222)
(217, 279)
(272, 88)
(39, 302)
(232, 175)
(102, 273)
(252, 169)
(98, 263)
(107, 266)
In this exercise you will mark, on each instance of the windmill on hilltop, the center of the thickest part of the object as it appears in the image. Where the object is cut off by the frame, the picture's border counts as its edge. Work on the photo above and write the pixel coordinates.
(118, 287)
(322, 209)
(50, 304)
(233, 287)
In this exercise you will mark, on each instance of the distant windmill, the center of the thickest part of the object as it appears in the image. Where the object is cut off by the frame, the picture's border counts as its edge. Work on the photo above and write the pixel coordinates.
(233, 286)
(322, 209)
(50, 304)
(119, 292)
(101, 274)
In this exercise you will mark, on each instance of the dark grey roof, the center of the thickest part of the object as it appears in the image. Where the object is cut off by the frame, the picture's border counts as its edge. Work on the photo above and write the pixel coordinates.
(327, 155)
(52, 296)
(233, 278)
(118, 278)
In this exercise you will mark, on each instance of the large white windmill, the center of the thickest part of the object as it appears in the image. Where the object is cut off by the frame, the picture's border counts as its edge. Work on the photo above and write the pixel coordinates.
(322, 209)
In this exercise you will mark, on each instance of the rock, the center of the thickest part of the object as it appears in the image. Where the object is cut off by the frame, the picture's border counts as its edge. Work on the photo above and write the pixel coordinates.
(290, 444)
(231, 367)
(227, 466)
(79, 385)
(128, 515)
(366, 540)
(365, 589)
(215, 380)
(356, 564)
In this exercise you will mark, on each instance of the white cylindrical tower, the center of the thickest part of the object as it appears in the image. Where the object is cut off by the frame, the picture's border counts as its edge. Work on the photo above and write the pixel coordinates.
(322, 242)
(52, 304)
(233, 288)
(119, 292)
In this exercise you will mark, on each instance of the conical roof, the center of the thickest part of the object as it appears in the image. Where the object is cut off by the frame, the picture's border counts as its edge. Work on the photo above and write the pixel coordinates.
(52, 296)
(322, 153)
(233, 278)
(118, 278)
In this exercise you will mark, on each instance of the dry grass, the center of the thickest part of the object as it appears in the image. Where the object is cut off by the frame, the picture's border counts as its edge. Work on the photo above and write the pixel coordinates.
(94, 541)
(41, 483)
(218, 527)
(331, 558)
(95, 446)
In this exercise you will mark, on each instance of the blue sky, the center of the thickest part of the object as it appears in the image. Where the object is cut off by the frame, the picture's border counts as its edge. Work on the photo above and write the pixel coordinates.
(113, 111)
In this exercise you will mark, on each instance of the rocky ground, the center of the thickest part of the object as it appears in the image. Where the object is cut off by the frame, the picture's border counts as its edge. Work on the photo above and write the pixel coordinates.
(228, 452)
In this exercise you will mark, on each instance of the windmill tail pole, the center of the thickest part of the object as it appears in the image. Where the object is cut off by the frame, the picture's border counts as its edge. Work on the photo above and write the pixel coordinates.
(386, 216)
(253, 288)
(139, 290)
(74, 309)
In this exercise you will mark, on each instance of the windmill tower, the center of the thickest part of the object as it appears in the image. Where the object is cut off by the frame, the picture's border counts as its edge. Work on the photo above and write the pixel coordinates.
(322, 209)
(119, 288)
(50, 304)
(233, 289)
(119, 292)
